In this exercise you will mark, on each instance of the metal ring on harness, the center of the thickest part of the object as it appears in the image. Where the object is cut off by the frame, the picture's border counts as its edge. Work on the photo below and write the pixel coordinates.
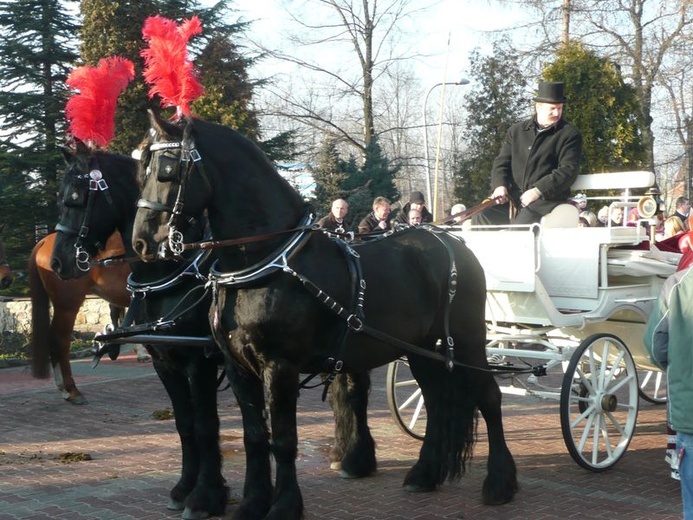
(355, 323)
(175, 241)
(82, 258)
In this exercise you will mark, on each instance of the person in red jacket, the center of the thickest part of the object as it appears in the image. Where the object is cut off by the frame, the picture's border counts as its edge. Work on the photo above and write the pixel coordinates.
(537, 164)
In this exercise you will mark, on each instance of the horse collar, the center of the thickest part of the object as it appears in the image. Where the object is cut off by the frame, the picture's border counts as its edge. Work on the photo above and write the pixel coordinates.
(277, 260)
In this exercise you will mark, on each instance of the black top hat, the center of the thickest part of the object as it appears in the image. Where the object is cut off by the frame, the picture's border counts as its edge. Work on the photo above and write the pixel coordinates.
(550, 92)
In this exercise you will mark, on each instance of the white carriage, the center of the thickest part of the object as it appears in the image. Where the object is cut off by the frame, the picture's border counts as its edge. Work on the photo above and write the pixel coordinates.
(566, 310)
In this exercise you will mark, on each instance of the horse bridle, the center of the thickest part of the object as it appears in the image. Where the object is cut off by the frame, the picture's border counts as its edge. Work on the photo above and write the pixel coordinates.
(96, 183)
(192, 158)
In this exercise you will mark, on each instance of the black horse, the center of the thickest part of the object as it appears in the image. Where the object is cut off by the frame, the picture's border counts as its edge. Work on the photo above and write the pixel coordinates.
(99, 194)
(290, 300)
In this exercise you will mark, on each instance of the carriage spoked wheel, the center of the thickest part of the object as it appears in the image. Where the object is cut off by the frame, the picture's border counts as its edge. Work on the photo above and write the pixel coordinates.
(405, 399)
(599, 402)
(653, 386)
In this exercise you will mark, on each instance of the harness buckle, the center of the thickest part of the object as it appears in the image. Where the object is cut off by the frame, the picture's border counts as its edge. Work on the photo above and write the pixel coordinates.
(195, 155)
(354, 323)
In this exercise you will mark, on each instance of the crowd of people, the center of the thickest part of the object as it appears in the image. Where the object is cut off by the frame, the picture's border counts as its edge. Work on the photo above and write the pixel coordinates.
(380, 219)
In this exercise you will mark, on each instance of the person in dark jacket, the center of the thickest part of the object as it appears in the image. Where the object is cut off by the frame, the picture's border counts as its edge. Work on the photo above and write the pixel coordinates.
(537, 164)
(378, 220)
(416, 201)
(334, 221)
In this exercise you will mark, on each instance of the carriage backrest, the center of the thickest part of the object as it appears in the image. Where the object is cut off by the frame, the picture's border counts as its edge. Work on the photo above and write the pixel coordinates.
(615, 180)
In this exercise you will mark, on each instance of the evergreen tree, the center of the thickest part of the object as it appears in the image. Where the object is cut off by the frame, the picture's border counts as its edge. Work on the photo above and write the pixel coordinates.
(602, 106)
(329, 175)
(498, 100)
(115, 28)
(375, 178)
(36, 42)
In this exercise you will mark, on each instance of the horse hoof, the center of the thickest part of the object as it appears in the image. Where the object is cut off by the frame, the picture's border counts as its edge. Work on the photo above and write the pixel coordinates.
(144, 359)
(77, 399)
(189, 514)
(345, 475)
(174, 505)
(414, 488)
(336, 465)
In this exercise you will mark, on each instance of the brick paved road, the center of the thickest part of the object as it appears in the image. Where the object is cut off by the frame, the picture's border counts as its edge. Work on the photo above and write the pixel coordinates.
(135, 459)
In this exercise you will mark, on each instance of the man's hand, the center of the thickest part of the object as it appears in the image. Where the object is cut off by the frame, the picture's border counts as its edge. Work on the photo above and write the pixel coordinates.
(500, 194)
(529, 196)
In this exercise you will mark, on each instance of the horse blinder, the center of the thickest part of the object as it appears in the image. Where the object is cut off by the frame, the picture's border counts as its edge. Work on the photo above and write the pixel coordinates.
(75, 196)
(166, 165)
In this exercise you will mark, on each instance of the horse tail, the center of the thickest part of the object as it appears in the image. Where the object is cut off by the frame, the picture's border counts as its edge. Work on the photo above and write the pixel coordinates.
(461, 417)
(451, 424)
(39, 347)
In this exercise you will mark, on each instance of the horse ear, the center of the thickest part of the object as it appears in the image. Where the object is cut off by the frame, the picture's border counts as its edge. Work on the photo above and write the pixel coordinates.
(68, 156)
(156, 123)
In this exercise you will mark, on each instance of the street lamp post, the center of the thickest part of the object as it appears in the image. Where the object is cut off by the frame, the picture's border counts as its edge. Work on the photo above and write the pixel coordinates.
(462, 81)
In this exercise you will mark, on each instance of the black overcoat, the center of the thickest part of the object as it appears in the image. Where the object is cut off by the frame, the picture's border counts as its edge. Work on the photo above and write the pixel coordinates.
(548, 160)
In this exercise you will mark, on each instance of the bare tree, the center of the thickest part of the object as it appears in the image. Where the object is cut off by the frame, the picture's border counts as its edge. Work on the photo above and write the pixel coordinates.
(643, 36)
(337, 97)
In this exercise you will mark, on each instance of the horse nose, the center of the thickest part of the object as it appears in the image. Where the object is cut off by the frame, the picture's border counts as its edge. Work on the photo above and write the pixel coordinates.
(56, 265)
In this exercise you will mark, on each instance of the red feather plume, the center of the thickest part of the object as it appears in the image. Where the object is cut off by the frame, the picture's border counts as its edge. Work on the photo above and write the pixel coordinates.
(91, 112)
(167, 67)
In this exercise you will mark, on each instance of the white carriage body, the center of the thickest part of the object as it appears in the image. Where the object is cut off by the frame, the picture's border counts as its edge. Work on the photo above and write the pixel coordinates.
(566, 310)
(581, 281)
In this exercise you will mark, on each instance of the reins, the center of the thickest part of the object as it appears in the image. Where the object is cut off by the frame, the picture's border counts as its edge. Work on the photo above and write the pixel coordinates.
(215, 244)
(468, 213)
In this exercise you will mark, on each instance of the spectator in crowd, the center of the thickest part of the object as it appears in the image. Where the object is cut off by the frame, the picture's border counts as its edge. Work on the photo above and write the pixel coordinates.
(537, 164)
(616, 217)
(673, 226)
(415, 217)
(603, 216)
(378, 220)
(334, 221)
(455, 213)
(669, 339)
(580, 201)
(589, 217)
(633, 217)
(683, 209)
(416, 201)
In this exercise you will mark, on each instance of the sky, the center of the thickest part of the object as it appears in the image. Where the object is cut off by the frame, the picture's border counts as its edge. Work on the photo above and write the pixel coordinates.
(445, 33)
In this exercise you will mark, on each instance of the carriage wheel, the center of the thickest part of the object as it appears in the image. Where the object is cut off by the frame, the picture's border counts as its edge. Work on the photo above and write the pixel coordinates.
(653, 386)
(599, 402)
(405, 399)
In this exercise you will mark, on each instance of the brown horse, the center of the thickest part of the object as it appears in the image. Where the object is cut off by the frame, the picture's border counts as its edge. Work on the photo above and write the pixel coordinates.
(66, 296)
(6, 276)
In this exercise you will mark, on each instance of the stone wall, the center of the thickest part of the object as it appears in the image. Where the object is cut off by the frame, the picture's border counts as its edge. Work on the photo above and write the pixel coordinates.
(15, 315)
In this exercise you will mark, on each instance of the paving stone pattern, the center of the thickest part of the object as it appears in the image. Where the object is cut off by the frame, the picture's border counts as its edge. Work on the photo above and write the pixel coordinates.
(135, 458)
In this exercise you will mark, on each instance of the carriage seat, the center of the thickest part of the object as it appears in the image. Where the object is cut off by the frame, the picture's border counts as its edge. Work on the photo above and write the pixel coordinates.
(562, 216)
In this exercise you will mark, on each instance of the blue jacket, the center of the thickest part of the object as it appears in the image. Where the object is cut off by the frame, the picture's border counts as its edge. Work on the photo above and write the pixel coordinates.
(669, 341)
